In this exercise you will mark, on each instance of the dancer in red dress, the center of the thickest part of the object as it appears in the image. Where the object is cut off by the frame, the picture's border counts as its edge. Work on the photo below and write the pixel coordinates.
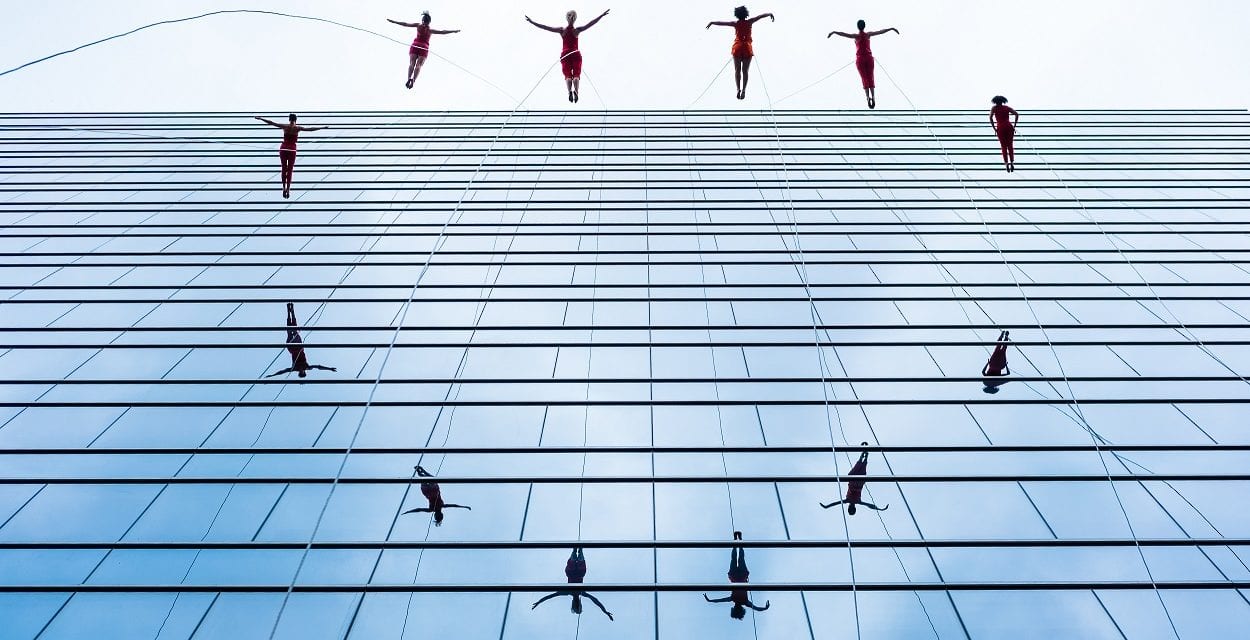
(738, 574)
(295, 346)
(1004, 119)
(742, 51)
(570, 53)
(995, 372)
(434, 495)
(575, 571)
(286, 153)
(420, 48)
(863, 58)
(855, 488)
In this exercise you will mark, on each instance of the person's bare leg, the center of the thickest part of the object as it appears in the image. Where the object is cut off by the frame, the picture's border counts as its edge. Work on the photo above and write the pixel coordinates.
(577, 88)
(738, 76)
(568, 84)
(416, 69)
(412, 67)
(746, 70)
(288, 169)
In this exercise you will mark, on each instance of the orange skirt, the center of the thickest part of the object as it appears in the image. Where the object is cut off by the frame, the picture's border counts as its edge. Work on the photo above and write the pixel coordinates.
(741, 50)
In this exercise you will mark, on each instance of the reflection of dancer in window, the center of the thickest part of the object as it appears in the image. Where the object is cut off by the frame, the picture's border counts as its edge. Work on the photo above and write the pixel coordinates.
(434, 495)
(855, 488)
(286, 153)
(738, 574)
(570, 53)
(294, 344)
(1004, 119)
(864, 61)
(742, 51)
(996, 371)
(420, 48)
(575, 571)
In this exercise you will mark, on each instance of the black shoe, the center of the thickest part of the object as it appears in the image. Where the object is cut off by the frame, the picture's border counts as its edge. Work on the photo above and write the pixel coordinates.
(570, 96)
(576, 96)
(409, 83)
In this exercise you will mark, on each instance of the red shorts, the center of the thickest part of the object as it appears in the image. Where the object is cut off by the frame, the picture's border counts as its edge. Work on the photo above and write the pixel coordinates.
(286, 154)
(742, 50)
(571, 63)
(865, 65)
(419, 50)
(1005, 133)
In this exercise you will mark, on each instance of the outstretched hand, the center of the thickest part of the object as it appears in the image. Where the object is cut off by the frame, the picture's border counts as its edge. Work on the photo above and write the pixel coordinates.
(772, 18)
(609, 613)
(605, 12)
(709, 26)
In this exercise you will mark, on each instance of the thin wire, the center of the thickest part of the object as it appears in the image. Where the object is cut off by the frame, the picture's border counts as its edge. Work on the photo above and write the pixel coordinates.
(825, 370)
(244, 11)
(386, 357)
(709, 85)
(1059, 363)
(830, 75)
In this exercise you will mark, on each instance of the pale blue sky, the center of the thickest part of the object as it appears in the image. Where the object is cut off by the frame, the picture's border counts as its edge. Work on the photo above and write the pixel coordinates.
(646, 54)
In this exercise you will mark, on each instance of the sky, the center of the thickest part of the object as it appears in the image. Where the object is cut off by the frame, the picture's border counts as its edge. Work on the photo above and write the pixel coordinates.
(645, 54)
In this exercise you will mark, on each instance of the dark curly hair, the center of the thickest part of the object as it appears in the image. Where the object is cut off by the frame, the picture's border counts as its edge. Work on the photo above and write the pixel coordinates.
(741, 13)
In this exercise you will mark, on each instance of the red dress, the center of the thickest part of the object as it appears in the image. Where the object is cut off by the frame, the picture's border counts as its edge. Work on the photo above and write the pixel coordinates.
(739, 576)
(998, 359)
(863, 60)
(1002, 125)
(742, 48)
(290, 135)
(433, 494)
(855, 488)
(570, 55)
(421, 45)
(575, 571)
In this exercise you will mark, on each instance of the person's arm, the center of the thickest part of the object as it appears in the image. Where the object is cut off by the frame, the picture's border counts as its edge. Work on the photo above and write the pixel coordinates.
(268, 122)
(762, 16)
(831, 504)
(321, 367)
(278, 373)
(839, 33)
(456, 506)
(883, 31)
(403, 24)
(443, 32)
(544, 599)
(324, 126)
(873, 506)
(599, 604)
(592, 22)
(993, 121)
(1015, 117)
(419, 510)
(542, 26)
(763, 608)
(718, 600)
(1006, 370)
(717, 23)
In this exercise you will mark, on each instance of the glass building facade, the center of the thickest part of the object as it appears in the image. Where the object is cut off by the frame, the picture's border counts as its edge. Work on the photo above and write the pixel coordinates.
(633, 333)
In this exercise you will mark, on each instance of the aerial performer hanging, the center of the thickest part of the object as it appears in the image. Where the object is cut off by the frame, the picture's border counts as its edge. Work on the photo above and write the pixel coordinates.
(295, 345)
(738, 574)
(286, 153)
(434, 496)
(863, 58)
(420, 48)
(995, 372)
(575, 571)
(742, 51)
(855, 488)
(570, 54)
(1004, 119)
